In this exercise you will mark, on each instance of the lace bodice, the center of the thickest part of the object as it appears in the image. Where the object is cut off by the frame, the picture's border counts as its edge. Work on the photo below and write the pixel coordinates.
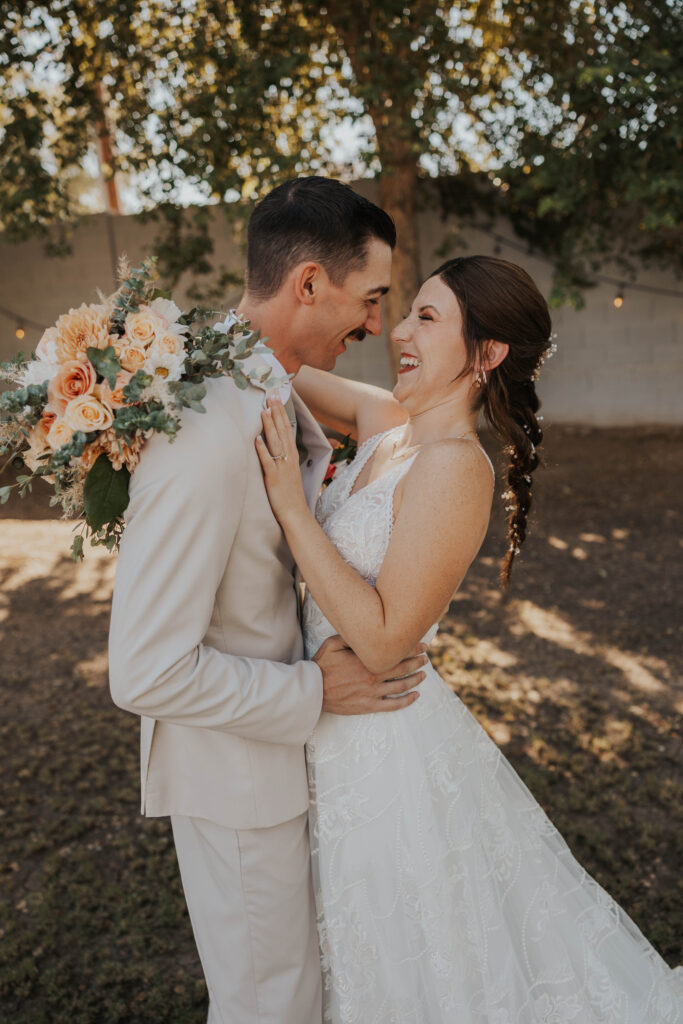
(359, 525)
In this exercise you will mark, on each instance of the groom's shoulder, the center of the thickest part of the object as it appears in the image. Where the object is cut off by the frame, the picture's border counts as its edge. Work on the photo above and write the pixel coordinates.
(230, 405)
(218, 436)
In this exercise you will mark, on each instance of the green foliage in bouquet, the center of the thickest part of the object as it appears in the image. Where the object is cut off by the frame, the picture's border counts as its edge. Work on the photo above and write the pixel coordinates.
(90, 469)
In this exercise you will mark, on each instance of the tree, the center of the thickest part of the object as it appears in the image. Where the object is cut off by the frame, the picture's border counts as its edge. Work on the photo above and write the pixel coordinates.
(560, 114)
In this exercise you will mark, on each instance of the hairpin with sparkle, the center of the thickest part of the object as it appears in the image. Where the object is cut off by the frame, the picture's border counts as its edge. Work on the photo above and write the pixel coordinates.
(548, 354)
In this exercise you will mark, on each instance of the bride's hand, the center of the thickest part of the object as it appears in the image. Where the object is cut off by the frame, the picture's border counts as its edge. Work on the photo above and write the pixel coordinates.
(280, 463)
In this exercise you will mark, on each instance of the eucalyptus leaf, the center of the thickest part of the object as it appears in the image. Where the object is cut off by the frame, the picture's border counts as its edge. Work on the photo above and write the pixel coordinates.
(105, 362)
(105, 494)
(77, 549)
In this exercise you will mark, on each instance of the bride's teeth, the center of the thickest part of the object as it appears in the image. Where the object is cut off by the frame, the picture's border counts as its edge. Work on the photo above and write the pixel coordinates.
(409, 361)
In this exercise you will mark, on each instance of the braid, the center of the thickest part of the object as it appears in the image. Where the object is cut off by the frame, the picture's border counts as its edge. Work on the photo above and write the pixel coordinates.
(500, 302)
(513, 417)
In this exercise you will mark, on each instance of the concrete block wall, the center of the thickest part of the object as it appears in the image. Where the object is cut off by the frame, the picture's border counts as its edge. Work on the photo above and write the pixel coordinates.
(614, 367)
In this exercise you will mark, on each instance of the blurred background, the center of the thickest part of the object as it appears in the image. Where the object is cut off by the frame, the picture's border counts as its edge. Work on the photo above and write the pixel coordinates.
(546, 133)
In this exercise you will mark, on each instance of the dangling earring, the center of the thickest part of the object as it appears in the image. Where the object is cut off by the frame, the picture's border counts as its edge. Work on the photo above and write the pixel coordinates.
(480, 378)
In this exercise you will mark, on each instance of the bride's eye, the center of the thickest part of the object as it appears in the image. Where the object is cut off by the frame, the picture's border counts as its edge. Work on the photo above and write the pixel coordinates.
(425, 316)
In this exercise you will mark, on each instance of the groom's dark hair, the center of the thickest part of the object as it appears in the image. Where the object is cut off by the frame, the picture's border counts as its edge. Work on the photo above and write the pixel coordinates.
(316, 219)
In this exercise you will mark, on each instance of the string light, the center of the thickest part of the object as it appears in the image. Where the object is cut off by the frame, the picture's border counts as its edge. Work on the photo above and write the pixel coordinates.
(22, 322)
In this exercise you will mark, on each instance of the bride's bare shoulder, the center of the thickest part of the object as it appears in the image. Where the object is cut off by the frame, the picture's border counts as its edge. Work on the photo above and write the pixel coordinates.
(456, 467)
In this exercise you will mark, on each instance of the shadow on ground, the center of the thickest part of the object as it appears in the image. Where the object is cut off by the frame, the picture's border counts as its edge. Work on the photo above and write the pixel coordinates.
(575, 676)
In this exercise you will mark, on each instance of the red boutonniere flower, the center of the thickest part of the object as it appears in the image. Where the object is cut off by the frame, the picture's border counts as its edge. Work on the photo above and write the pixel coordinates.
(342, 451)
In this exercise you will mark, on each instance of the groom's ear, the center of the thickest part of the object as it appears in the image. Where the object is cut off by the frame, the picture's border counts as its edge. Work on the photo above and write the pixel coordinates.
(306, 282)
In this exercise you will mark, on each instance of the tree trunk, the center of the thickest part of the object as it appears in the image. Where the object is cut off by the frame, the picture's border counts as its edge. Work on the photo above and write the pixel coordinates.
(398, 194)
(375, 53)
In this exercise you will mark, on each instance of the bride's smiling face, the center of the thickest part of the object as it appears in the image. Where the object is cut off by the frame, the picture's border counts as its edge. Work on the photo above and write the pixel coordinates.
(431, 348)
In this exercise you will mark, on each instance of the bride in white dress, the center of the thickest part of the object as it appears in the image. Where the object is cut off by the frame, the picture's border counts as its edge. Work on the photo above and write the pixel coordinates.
(444, 893)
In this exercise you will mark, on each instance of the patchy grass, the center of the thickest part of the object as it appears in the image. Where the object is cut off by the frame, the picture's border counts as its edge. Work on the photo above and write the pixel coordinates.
(574, 675)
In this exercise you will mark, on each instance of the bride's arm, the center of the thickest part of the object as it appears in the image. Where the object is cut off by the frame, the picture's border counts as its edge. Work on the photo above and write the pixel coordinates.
(348, 406)
(445, 500)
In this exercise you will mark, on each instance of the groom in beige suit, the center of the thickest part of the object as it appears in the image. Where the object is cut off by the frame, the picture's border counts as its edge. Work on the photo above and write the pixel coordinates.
(205, 641)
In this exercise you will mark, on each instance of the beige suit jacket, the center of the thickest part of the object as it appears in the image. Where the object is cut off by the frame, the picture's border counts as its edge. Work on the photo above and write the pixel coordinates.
(205, 642)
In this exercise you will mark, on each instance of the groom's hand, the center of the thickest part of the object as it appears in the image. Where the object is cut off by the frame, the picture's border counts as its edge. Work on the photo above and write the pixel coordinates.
(349, 688)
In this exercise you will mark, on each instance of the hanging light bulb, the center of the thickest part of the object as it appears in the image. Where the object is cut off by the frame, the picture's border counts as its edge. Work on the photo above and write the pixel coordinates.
(20, 333)
(619, 298)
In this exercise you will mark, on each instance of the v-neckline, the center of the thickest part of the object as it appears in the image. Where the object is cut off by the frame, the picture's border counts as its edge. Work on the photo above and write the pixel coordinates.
(351, 493)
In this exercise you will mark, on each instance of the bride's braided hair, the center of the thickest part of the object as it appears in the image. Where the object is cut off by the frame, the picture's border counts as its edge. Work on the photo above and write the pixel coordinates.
(500, 302)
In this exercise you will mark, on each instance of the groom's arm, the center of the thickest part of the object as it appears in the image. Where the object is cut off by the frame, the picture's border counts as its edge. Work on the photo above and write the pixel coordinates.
(185, 506)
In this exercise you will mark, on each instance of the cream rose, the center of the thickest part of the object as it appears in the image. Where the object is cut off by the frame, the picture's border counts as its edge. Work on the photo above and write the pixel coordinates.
(74, 378)
(168, 343)
(143, 327)
(86, 413)
(87, 326)
(131, 357)
(60, 433)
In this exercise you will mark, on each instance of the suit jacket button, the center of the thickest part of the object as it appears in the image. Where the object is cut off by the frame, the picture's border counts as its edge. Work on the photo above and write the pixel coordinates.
(309, 462)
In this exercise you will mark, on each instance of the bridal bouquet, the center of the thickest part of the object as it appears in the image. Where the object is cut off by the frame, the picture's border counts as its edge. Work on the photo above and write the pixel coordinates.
(103, 379)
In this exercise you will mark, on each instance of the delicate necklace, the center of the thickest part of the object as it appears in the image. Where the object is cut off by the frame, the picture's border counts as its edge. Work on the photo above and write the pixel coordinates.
(415, 447)
(423, 411)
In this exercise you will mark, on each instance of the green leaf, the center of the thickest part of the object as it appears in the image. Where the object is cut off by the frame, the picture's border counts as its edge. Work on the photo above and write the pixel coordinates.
(77, 549)
(189, 394)
(140, 380)
(105, 494)
(105, 362)
(5, 493)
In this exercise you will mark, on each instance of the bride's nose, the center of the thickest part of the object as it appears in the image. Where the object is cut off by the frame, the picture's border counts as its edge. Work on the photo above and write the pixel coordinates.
(401, 332)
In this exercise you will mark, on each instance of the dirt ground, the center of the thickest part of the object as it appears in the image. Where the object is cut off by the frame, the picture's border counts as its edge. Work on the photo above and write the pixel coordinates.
(576, 676)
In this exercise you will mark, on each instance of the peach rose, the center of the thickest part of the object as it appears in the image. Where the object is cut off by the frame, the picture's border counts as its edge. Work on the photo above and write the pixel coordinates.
(58, 434)
(114, 399)
(143, 327)
(80, 328)
(131, 357)
(86, 413)
(74, 378)
(45, 422)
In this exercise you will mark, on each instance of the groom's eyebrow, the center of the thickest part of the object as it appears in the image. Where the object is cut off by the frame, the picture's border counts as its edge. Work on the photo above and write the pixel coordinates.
(379, 290)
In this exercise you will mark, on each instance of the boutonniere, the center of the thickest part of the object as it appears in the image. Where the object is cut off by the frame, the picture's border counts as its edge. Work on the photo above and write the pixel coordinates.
(342, 451)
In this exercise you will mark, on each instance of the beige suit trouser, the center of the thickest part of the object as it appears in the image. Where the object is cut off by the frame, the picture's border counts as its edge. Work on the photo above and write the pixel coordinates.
(250, 899)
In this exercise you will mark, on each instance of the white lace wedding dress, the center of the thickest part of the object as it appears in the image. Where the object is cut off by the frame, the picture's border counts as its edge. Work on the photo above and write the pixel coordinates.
(444, 893)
